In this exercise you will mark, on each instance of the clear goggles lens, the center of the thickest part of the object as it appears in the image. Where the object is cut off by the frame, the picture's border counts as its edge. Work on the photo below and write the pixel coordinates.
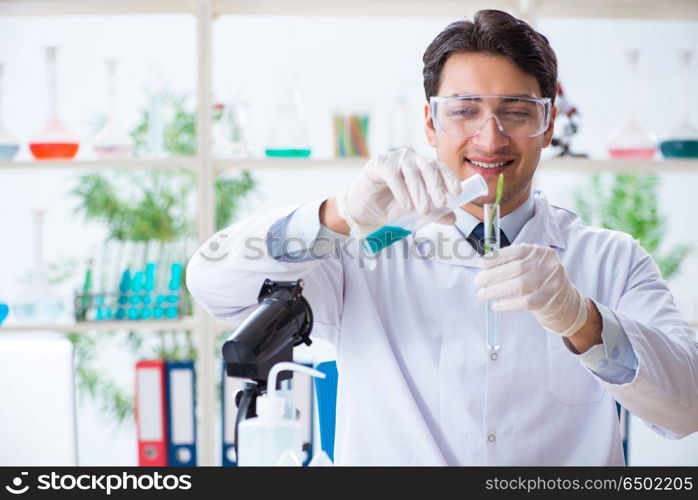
(466, 115)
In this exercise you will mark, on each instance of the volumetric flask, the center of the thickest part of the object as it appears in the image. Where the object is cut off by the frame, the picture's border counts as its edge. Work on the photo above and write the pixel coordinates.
(631, 140)
(683, 140)
(491, 245)
(8, 144)
(111, 142)
(55, 140)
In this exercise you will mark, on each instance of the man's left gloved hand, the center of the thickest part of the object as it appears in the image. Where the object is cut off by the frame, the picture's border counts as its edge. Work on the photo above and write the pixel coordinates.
(531, 278)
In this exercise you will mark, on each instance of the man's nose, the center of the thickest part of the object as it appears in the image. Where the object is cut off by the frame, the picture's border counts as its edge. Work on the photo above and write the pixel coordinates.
(490, 138)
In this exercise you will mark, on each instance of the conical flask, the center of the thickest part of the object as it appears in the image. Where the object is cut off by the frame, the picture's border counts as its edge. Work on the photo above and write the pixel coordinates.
(288, 135)
(8, 144)
(37, 303)
(631, 140)
(55, 140)
(112, 142)
(682, 142)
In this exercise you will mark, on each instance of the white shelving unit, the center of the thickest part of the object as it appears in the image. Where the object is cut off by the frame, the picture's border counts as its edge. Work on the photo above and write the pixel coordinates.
(581, 165)
(205, 11)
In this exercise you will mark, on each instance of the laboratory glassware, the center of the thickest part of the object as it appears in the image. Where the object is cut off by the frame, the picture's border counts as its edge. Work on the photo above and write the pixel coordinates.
(399, 131)
(112, 142)
(4, 311)
(630, 140)
(231, 133)
(37, 303)
(491, 245)
(683, 140)
(156, 126)
(55, 140)
(288, 135)
(471, 188)
(8, 144)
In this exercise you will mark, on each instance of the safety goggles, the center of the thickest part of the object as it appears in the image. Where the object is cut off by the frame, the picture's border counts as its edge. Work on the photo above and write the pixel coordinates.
(466, 115)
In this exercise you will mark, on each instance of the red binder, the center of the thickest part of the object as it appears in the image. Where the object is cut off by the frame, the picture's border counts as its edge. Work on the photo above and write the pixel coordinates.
(151, 413)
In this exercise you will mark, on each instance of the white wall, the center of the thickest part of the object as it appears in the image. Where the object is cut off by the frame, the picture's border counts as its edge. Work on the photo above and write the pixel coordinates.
(353, 63)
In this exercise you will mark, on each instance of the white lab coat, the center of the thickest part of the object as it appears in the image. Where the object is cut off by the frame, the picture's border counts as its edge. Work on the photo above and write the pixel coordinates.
(417, 384)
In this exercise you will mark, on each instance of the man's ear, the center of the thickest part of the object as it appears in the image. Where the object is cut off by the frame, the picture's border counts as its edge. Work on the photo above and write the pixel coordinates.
(548, 136)
(429, 126)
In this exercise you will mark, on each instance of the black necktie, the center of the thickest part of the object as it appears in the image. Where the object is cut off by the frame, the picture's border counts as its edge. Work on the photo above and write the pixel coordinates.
(477, 238)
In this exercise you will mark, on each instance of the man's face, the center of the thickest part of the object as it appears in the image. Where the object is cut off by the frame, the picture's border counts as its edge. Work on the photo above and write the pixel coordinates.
(478, 73)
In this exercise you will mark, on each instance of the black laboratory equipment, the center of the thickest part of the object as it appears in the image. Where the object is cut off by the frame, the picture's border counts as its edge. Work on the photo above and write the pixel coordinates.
(282, 321)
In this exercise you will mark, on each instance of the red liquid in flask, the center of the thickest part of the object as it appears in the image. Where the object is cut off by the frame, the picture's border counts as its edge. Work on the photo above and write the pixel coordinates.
(54, 150)
(632, 154)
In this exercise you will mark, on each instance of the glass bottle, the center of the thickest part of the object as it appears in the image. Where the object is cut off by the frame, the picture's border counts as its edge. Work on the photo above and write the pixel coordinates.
(112, 142)
(55, 140)
(683, 140)
(37, 303)
(399, 131)
(288, 135)
(631, 140)
(8, 144)
(155, 90)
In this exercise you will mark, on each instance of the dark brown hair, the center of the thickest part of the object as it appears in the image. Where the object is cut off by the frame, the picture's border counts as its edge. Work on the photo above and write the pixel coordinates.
(493, 32)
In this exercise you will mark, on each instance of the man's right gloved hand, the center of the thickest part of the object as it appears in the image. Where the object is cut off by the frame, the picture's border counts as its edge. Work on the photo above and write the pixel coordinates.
(393, 184)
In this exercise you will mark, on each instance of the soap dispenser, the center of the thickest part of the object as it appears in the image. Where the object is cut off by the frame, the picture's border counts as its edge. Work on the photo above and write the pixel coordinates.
(266, 439)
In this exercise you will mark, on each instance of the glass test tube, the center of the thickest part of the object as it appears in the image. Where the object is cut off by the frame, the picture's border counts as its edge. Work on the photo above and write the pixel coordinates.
(491, 244)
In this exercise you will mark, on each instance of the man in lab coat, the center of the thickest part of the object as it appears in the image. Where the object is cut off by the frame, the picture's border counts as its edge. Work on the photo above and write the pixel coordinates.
(586, 319)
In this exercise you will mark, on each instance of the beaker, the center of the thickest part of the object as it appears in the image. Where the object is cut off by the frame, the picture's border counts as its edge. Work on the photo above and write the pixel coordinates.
(491, 245)
(8, 144)
(112, 142)
(37, 303)
(55, 140)
(288, 136)
(682, 142)
(631, 140)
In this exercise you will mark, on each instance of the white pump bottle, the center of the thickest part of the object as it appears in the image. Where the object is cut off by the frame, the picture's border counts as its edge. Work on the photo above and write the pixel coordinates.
(268, 438)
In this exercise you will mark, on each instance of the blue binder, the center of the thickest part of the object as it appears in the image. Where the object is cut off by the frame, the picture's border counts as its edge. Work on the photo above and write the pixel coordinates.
(326, 390)
(181, 414)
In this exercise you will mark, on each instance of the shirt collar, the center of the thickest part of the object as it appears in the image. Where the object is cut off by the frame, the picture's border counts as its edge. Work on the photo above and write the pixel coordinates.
(542, 229)
(511, 223)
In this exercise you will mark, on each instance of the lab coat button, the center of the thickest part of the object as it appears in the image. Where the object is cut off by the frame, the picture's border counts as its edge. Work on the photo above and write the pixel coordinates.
(493, 356)
(603, 363)
(614, 353)
(491, 438)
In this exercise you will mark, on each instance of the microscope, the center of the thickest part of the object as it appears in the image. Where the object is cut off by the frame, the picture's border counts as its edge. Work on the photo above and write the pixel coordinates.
(282, 321)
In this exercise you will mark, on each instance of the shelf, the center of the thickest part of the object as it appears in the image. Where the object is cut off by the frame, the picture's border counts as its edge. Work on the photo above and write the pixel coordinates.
(95, 7)
(288, 163)
(179, 163)
(628, 9)
(175, 163)
(189, 323)
(558, 164)
(88, 326)
(620, 166)
(616, 9)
